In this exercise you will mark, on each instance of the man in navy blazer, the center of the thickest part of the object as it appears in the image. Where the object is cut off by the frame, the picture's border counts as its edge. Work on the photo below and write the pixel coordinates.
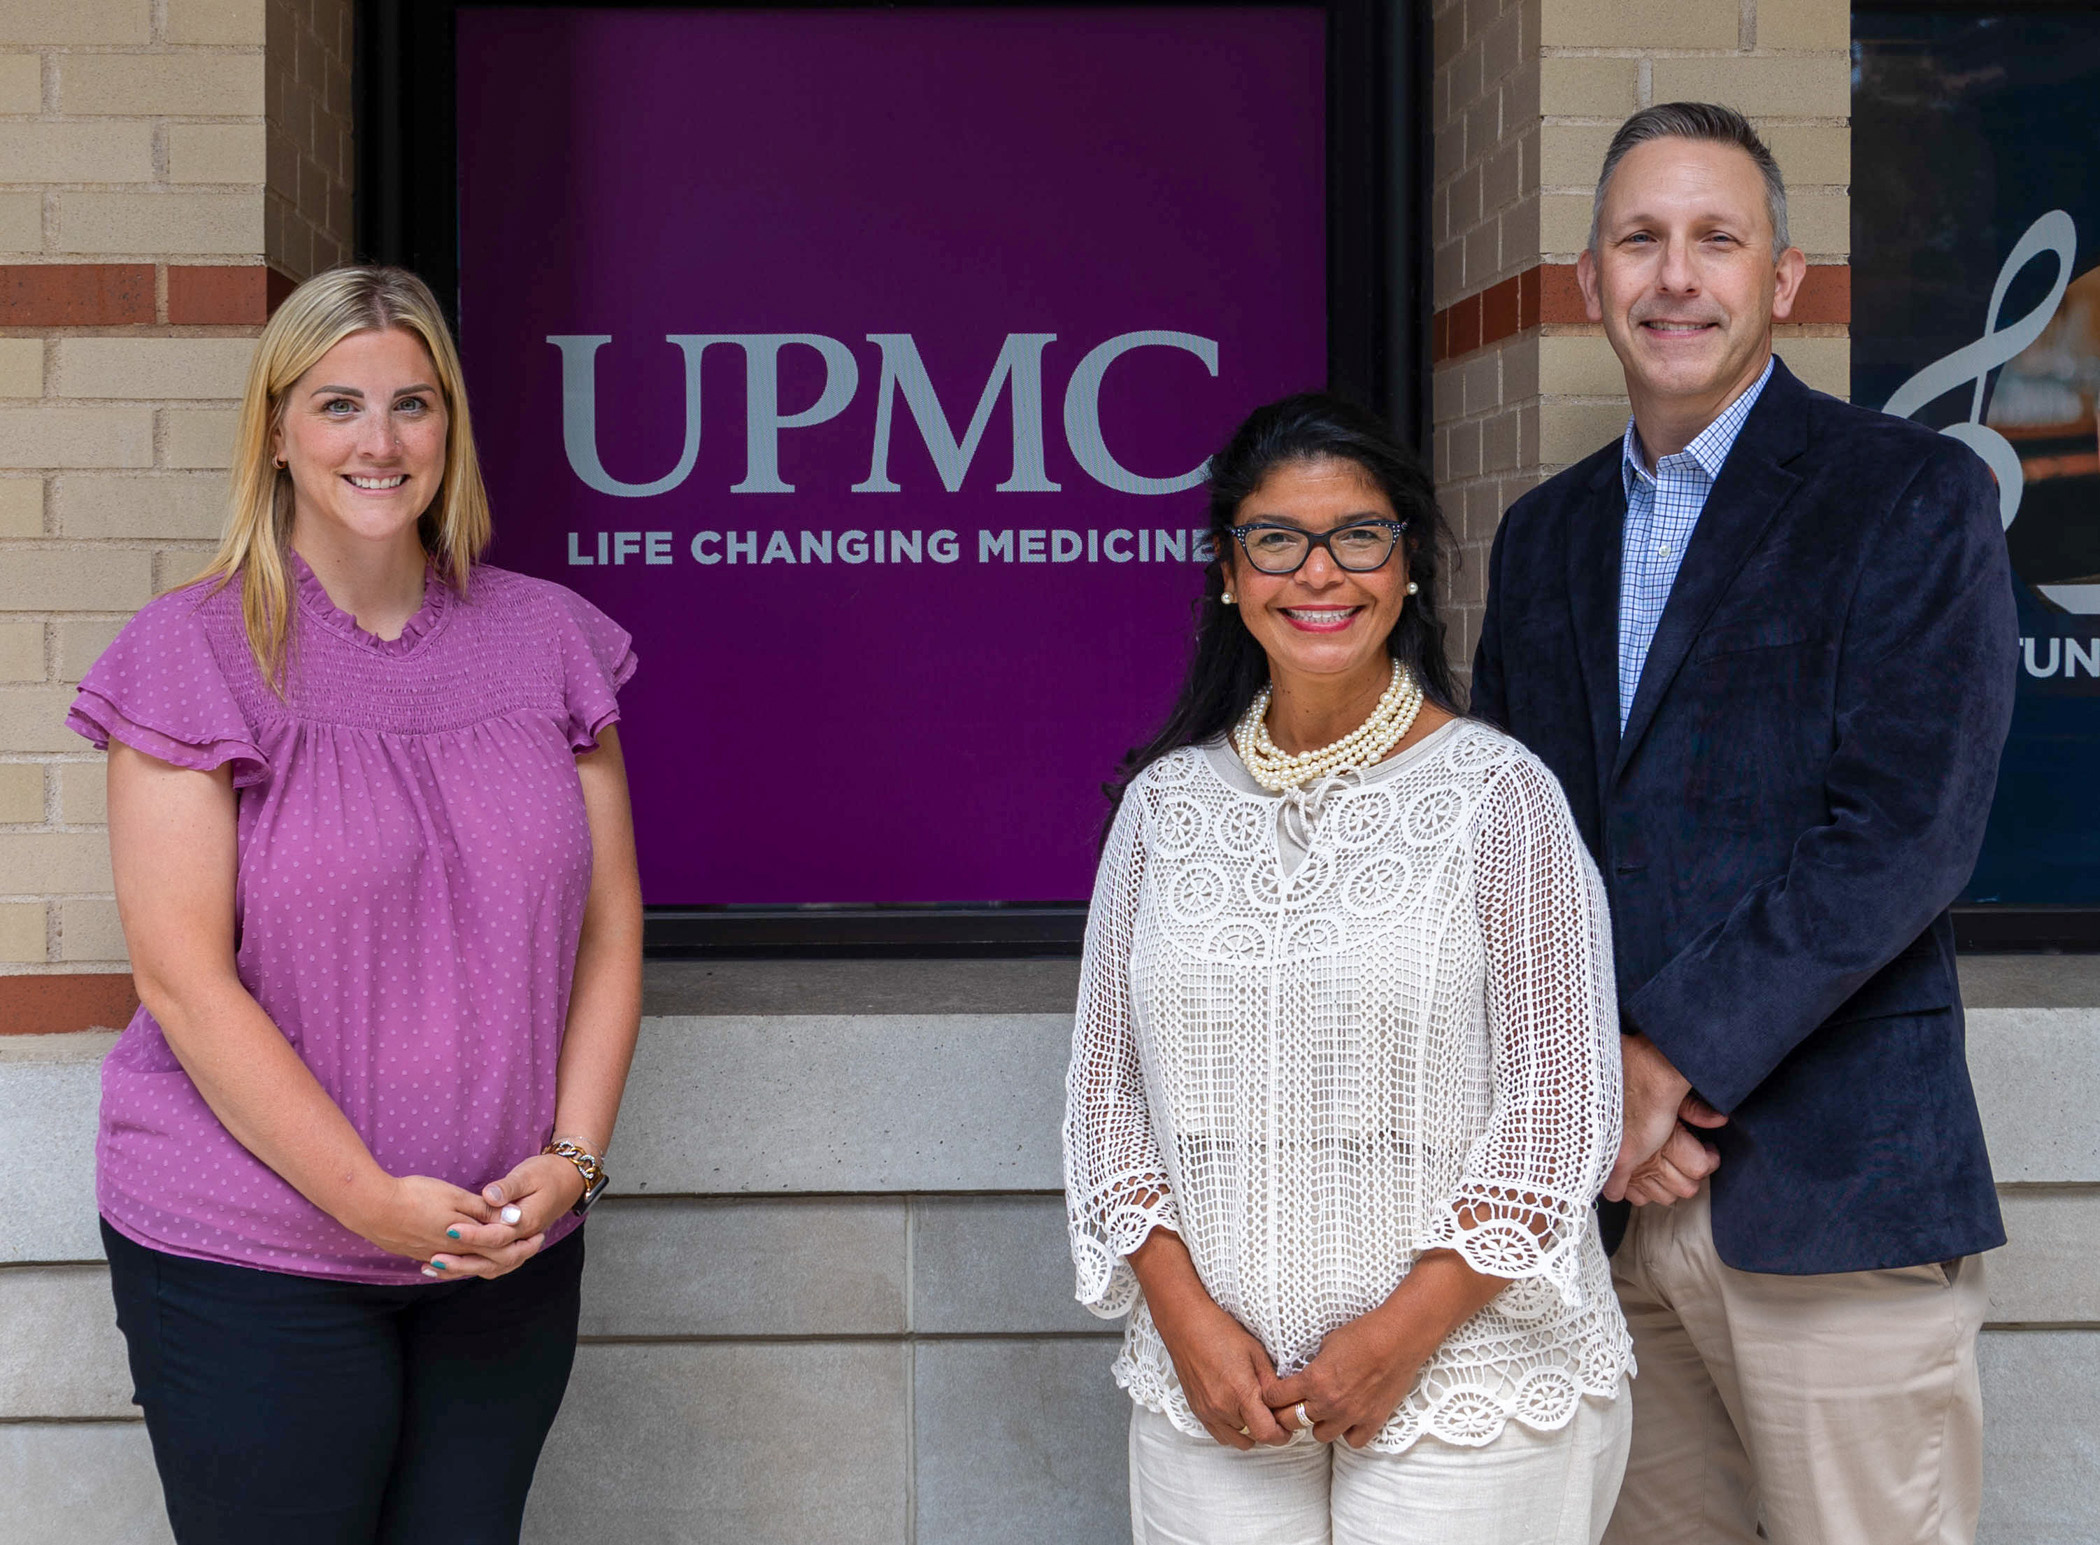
(1767, 643)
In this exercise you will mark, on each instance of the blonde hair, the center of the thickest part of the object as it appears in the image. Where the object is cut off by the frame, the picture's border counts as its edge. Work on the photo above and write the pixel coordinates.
(314, 318)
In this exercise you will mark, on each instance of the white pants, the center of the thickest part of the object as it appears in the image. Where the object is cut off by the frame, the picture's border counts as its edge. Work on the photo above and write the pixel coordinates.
(1525, 1488)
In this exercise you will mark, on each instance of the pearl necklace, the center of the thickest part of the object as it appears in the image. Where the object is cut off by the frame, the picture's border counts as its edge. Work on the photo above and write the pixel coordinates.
(1277, 770)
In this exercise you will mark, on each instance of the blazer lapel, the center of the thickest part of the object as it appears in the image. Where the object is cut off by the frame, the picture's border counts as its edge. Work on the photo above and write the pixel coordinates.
(1594, 540)
(1753, 485)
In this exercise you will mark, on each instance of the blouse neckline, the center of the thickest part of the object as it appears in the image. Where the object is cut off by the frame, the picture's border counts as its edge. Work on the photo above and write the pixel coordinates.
(313, 596)
(1225, 762)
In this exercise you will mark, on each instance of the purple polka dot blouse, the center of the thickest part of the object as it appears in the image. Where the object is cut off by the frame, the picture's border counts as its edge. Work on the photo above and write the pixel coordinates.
(413, 863)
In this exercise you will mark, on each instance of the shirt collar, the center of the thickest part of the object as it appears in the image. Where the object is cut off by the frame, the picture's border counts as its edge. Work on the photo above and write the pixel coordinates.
(1709, 450)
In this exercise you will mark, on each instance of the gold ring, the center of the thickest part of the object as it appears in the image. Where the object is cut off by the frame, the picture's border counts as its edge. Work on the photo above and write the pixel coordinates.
(1305, 1421)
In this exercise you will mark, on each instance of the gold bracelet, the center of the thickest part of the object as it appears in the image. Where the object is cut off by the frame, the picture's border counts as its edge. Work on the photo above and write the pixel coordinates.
(588, 1165)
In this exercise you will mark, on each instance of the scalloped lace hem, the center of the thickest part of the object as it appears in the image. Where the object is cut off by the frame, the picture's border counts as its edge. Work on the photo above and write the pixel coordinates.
(1459, 1402)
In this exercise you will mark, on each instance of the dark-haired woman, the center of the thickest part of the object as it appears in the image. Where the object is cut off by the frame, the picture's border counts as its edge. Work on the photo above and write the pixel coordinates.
(1345, 1076)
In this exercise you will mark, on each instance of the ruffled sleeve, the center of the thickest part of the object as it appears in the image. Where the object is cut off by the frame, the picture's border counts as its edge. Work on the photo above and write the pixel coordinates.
(597, 660)
(1116, 1188)
(1523, 1203)
(159, 688)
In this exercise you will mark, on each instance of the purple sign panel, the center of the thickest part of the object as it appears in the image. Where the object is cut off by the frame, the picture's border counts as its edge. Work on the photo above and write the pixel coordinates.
(863, 364)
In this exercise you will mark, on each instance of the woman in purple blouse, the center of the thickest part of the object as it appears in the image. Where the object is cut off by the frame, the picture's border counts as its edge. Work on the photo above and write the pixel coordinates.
(373, 857)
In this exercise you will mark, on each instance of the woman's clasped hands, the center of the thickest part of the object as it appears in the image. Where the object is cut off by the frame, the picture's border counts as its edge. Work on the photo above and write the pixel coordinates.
(456, 1233)
(1354, 1384)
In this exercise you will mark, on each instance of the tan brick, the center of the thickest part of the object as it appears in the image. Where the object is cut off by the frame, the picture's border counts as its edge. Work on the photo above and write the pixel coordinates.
(21, 367)
(216, 152)
(1564, 224)
(74, 579)
(162, 85)
(58, 863)
(21, 926)
(1811, 153)
(83, 793)
(1520, 235)
(88, 929)
(182, 506)
(199, 437)
(164, 224)
(22, 792)
(21, 506)
(152, 367)
(21, 222)
(235, 22)
(1577, 366)
(1775, 88)
(76, 437)
(34, 719)
(81, 641)
(1520, 367)
(1638, 24)
(76, 21)
(1569, 431)
(1588, 88)
(1804, 24)
(174, 567)
(1820, 223)
(1571, 155)
(77, 152)
(21, 651)
(1824, 363)
(21, 83)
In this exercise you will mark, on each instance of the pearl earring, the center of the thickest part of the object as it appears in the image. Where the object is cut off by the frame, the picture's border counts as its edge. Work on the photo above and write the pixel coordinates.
(1413, 588)
(1225, 596)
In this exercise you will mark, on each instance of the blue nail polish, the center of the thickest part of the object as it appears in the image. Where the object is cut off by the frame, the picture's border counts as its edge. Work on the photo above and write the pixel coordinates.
(452, 1233)
(440, 1265)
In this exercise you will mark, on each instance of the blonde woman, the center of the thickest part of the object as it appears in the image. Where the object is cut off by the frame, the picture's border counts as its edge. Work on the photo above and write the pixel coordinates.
(373, 857)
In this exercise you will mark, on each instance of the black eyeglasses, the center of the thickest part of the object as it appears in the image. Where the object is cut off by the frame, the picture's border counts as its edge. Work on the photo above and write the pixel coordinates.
(1359, 547)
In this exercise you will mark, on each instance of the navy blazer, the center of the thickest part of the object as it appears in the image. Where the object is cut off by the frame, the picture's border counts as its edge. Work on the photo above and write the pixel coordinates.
(1799, 794)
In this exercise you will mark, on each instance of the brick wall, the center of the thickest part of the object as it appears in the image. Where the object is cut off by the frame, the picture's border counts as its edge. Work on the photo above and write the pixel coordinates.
(167, 167)
(1527, 94)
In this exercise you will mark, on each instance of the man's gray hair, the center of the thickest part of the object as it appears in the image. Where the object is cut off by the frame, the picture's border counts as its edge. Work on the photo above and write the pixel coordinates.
(1705, 121)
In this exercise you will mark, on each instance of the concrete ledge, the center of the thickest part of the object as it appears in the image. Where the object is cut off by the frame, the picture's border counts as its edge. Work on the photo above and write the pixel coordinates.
(2049, 1271)
(840, 1103)
(61, 1354)
(756, 1268)
(80, 1484)
(766, 1444)
(2041, 1437)
(1020, 1443)
(2037, 1074)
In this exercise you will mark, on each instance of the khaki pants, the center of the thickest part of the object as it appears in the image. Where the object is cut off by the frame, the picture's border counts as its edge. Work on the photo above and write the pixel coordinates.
(1837, 1410)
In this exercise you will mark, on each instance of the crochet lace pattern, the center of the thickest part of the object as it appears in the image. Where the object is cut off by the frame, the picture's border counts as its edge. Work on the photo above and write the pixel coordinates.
(1313, 1073)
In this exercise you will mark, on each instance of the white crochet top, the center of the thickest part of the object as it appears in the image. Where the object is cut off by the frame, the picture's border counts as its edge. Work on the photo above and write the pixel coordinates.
(1320, 1034)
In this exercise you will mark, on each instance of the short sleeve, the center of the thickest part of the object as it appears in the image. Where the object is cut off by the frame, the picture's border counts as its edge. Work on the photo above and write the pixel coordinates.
(597, 660)
(159, 688)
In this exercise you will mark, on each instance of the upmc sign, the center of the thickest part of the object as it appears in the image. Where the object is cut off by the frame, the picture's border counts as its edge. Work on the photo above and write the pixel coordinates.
(863, 364)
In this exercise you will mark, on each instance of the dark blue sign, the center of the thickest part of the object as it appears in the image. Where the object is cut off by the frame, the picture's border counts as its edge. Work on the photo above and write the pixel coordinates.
(1976, 309)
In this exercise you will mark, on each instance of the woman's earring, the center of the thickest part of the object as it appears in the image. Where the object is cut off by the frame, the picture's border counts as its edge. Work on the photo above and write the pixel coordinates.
(1225, 596)
(1413, 588)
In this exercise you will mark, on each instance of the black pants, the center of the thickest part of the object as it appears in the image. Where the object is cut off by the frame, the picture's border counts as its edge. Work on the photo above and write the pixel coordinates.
(299, 1411)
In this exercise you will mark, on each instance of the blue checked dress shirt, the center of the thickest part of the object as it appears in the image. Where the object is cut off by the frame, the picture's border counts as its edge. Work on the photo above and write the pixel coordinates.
(1661, 510)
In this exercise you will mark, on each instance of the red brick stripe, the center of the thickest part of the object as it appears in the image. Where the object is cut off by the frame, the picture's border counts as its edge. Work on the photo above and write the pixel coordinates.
(76, 294)
(218, 294)
(1547, 292)
(38, 1005)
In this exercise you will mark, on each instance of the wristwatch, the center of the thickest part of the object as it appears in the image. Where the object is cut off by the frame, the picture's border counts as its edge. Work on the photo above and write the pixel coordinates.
(588, 1165)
